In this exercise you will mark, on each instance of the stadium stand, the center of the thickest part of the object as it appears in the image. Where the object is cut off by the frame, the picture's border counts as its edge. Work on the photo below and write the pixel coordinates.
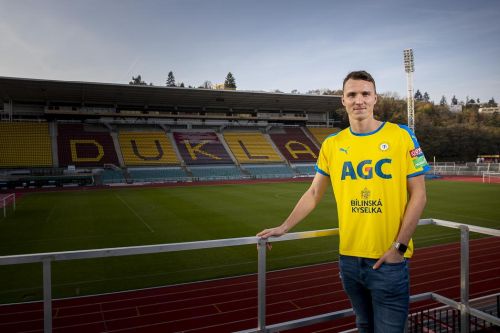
(251, 147)
(201, 148)
(158, 174)
(25, 144)
(147, 148)
(321, 133)
(216, 172)
(295, 145)
(82, 148)
(270, 171)
(112, 176)
(305, 170)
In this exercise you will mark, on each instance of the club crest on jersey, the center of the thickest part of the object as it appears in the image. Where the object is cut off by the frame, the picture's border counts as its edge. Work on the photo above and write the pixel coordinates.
(384, 146)
(364, 169)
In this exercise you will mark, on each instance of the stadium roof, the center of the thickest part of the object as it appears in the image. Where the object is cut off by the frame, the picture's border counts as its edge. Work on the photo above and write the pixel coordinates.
(115, 95)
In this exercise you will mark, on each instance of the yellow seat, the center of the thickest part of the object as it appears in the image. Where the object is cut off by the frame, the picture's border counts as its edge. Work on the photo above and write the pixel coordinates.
(24, 144)
(251, 147)
(147, 148)
(321, 133)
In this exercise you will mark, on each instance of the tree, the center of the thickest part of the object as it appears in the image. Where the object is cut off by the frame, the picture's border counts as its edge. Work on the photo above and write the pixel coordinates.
(230, 82)
(426, 97)
(492, 103)
(454, 100)
(418, 96)
(206, 85)
(181, 85)
(137, 81)
(443, 101)
(388, 94)
(170, 79)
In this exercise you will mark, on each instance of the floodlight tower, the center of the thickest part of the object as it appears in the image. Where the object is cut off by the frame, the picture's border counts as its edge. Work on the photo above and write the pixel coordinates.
(409, 69)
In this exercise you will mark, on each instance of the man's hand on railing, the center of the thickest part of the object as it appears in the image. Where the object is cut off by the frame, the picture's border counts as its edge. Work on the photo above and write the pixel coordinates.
(276, 232)
(273, 232)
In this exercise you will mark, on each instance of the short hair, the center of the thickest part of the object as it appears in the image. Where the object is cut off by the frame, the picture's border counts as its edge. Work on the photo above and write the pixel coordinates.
(360, 75)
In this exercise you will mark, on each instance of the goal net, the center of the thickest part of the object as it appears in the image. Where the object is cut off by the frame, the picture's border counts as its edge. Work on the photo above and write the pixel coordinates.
(7, 203)
(491, 177)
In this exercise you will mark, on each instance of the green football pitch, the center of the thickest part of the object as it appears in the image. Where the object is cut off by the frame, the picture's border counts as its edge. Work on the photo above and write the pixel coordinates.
(76, 220)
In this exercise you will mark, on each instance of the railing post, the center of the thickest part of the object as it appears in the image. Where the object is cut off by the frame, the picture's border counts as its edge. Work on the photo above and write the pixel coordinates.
(464, 279)
(498, 306)
(261, 285)
(47, 296)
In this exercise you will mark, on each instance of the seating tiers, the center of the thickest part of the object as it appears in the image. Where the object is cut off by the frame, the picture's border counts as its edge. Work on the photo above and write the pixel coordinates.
(251, 147)
(198, 148)
(24, 144)
(295, 145)
(84, 148)
(321, 133)
(147, 148)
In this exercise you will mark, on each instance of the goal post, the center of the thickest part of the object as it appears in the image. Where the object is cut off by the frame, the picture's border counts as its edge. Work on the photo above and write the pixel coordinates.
(489, 177)
(7, 200)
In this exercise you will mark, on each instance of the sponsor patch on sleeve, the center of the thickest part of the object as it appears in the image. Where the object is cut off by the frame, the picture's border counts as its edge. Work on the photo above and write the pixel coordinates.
(416, 152)
(420, 161)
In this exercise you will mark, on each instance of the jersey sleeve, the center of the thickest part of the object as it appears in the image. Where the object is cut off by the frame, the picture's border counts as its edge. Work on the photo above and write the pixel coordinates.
(322, 165)
(416, 163)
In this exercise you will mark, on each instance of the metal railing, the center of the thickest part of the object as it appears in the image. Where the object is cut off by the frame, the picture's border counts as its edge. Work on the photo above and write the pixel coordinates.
(463, 306)
(445, 319)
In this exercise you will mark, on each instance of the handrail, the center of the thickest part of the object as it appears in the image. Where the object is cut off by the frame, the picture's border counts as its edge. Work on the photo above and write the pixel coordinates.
(473, 228)
(156, 248)
(47, 258)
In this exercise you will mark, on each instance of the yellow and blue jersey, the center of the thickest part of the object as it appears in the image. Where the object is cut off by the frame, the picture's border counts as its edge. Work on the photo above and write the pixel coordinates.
(369, 175)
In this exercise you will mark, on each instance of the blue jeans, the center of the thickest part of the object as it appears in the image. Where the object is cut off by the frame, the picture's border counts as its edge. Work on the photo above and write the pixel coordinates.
(380, 298)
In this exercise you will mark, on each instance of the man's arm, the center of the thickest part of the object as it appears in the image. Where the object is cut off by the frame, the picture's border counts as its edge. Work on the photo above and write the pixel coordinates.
(414, 208)
(304, 206)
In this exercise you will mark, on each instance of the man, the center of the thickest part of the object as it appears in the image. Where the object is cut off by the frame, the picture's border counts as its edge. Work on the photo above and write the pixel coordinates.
(377, 173)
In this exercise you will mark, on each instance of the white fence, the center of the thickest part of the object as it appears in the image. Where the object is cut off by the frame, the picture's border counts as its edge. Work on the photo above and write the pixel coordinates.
(468, 169)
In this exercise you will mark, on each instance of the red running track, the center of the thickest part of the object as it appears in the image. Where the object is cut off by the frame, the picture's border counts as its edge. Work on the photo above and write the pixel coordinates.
(230, 304)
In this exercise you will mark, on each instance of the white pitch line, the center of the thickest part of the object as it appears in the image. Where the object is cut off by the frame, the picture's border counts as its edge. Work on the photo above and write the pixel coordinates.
(135, 213)
(50, 214)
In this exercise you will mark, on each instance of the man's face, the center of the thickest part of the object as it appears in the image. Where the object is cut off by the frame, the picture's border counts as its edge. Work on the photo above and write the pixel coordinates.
(359, 98)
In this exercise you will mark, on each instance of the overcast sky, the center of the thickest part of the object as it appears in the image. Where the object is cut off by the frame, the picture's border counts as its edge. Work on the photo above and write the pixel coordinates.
(267, 45)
